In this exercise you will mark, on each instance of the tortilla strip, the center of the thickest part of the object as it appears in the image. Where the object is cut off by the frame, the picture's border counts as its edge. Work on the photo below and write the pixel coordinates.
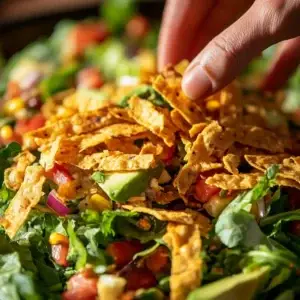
(117, 161)
(135, 131)
(26, 198)
(170, 88)
(231, 163)
(156, 119)
(185, 244)
(196, 129)
(121, 113)
(179, 121)
(14, 176)
(189, 173)
(234, 182)
(187, 217)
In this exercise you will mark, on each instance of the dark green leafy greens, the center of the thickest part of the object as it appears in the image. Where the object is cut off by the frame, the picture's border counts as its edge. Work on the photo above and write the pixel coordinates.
(236, 226)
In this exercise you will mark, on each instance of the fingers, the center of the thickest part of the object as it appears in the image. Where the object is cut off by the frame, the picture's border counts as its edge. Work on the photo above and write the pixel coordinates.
(180, 21)
(266, 22)
(217, 21)
(283, 65)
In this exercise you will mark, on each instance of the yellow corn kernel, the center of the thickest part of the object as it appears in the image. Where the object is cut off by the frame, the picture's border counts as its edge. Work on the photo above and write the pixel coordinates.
(6, 132)
(216, 205)
(64, 112)
(99, 203)
(14, 105)
(212, 105)
(57, 238)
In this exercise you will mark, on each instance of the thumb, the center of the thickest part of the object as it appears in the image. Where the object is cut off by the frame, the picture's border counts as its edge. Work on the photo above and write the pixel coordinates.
(265, 23)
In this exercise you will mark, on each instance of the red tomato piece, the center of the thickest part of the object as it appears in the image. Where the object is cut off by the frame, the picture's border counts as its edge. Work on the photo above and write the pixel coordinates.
(82, 286)
(122, 252)
(140, 278)
(34, 123)
(294, 227)
(158, 260)
(85, 35)
(205, 191)
(13, 90)
(90, 78)
(59, 253)
(169, 155)
(137, 27)
(60, 174)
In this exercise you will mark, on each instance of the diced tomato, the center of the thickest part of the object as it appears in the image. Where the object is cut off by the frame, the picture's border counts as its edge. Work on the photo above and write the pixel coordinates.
(90, 78)
(34, 123)
(140, 278)
(294, 227)
(169, 154)
(205, 191)
(85, 35)
(158, 261)
(137, 27)
(59, 253)
(82, 286)
(293, 198)
(13, 90)
(60, 174)
(122, 252)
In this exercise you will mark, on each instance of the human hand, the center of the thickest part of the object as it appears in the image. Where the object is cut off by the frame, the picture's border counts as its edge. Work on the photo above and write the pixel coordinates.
(227, 34)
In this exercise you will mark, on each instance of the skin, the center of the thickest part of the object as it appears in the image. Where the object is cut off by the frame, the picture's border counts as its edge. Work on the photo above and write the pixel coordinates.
(221, 37)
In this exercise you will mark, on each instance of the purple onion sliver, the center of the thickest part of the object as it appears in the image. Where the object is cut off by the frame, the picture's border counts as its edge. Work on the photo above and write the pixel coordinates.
(54, 203)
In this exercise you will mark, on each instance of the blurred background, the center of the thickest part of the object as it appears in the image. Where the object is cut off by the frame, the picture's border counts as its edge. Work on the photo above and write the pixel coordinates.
(23, 21)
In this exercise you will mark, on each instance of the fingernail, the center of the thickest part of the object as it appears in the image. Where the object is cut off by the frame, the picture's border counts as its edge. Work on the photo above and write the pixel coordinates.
(195, 83)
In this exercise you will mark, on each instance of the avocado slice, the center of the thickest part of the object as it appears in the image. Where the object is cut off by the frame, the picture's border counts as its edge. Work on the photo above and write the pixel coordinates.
(242, 286)
(121, 186)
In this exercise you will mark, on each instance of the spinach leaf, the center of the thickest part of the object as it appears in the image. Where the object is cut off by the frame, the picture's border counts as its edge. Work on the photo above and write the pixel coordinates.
(5, 196)
(292, 215)
(6, 155)
(235, 222)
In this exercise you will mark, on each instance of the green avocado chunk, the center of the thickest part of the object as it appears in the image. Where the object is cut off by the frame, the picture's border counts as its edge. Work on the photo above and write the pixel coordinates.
(242, 286)
(121, 186)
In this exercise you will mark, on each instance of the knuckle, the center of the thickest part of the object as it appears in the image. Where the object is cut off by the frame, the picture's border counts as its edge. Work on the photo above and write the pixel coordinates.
(225, 48)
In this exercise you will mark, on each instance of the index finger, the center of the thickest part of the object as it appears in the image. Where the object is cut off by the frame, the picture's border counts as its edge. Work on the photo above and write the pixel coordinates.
(181, 20)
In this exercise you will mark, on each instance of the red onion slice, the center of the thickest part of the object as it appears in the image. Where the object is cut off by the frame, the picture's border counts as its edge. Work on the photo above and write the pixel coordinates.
(54, 203)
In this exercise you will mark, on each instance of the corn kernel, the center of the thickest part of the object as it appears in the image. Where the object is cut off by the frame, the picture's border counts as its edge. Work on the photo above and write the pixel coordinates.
(57, 238)
(14, 105)
(6, 132)
(212, 105)
(99, 203)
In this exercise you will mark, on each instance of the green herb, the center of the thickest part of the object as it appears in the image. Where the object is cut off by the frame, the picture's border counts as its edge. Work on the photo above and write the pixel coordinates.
(77, 251)
(6, 155)
(99, 177)
(236, 226)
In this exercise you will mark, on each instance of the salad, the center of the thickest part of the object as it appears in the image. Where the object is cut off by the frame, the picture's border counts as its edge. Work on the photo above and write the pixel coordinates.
(115, 185)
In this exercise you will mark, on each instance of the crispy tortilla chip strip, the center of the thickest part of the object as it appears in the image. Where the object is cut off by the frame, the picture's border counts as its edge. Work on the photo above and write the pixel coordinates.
(287, 182)
(62, 150)
(121, 113)
(123, 145)
(150, 148)
(170, 88)
(154, 118)
(116, 161)
(181, 66)
(231, 163)
(262, 162)
(187, 217)
(135, 131)
(87, 100)
(196, 129)
(185, 244)
(234, 182)
(188, 175)
(292, 162)
(259, 138)
(14, 176)
(179, 121)
(26, 198)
